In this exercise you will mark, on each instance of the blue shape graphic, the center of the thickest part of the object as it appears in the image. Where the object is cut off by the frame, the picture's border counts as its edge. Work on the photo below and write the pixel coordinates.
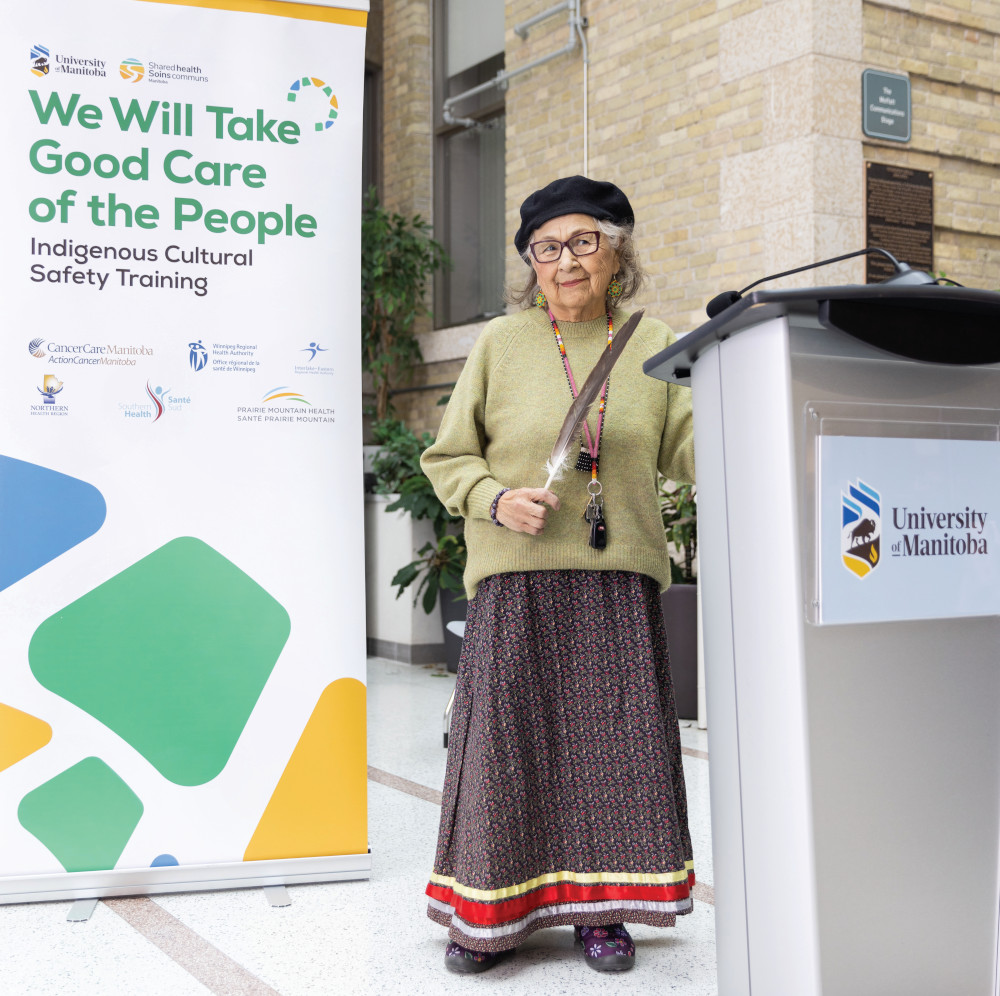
(42, 515)
(163, 861)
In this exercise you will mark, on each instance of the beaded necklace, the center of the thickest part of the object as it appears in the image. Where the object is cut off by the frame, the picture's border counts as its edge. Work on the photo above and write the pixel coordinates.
(589, 450)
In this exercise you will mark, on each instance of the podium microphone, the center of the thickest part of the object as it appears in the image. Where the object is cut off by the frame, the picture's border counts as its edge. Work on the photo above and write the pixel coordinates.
(904, 275)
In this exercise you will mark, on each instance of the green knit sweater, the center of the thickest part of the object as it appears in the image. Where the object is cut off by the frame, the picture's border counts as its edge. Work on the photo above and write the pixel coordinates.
(501, 424)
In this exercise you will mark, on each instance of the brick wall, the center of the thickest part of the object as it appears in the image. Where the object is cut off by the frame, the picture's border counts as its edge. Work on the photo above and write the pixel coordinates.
(407, 91)
(951, 51)
(735, 128)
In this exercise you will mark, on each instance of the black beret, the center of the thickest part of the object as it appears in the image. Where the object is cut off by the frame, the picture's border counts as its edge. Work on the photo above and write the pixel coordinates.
(572, 195)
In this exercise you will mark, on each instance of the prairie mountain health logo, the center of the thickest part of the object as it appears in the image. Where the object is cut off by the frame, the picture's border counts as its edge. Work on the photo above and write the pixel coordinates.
(861, 528)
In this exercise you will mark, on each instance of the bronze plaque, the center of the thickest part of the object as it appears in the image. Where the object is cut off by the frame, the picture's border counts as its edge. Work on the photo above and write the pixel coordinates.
(899, 217)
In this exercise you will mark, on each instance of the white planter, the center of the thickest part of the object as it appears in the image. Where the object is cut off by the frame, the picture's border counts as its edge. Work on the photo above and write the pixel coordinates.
(396, 628)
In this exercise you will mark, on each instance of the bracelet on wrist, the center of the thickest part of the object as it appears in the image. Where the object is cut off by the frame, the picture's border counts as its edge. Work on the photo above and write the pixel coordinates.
(496, 502)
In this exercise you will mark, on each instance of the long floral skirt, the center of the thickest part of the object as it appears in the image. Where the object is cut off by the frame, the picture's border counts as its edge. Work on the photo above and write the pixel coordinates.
(564, 795)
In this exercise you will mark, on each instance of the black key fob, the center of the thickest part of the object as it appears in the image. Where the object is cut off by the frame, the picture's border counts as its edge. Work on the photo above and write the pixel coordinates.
(598, 532)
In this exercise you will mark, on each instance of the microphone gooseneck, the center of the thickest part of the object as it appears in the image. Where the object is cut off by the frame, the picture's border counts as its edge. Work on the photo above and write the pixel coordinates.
(904, 274)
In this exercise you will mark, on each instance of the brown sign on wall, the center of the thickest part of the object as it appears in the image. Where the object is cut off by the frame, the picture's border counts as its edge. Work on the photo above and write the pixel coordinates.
(899, 217)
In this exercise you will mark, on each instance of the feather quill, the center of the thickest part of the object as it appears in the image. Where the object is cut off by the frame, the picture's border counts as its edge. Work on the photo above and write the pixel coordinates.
(585, 399)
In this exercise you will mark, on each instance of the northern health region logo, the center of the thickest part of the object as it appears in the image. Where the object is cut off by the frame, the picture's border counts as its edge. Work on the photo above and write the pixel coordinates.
(51, 386)
(39, 60)
(861, 528)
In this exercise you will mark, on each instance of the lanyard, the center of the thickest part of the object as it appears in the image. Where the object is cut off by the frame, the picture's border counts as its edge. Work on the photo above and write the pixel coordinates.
(593, 444)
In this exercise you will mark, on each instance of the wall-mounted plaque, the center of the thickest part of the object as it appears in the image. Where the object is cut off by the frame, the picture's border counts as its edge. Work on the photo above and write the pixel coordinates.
(885, 105)
(899, 217)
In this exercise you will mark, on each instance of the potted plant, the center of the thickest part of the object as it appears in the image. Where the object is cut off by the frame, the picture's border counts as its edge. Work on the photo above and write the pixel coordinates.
(680, 601)
(393, 530)
(398, 256)
(440, 564)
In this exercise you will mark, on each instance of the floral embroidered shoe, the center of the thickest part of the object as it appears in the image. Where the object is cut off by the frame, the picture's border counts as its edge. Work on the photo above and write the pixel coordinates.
(608, 948)
(468, 962)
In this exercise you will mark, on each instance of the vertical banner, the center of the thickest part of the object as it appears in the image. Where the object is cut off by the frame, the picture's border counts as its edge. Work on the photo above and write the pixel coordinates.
(182, 645)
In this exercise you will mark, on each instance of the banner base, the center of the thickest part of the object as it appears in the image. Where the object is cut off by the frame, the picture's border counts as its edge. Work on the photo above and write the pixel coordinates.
(184, 878)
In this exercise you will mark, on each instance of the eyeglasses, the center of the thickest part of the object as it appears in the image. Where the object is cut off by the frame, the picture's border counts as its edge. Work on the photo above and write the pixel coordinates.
(550, 250)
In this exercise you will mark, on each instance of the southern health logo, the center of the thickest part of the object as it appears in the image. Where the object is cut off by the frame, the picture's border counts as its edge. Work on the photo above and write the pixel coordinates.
(861, 528)
(162, 401)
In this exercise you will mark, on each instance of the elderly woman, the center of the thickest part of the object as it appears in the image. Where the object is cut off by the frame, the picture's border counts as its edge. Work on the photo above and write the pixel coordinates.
(564, 795)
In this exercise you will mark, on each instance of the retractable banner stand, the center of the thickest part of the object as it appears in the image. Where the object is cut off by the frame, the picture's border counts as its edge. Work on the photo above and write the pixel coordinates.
(182, 648)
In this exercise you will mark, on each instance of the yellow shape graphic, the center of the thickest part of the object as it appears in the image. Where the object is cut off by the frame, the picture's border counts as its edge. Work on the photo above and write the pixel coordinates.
(320, 804)
(858, 566)
(20, 735)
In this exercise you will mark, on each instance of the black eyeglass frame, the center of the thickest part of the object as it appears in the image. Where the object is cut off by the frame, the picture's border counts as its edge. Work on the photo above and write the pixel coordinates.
(565, 245)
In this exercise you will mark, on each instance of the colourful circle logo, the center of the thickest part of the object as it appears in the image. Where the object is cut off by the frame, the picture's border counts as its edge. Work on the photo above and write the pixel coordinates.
(132, 70)
(310, 81)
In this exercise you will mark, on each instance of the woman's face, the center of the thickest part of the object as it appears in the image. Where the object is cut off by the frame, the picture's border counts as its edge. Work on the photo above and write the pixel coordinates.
(575, 286)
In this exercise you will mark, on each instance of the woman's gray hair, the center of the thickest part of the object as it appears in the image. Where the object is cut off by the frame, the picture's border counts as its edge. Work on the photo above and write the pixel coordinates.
(631, 275)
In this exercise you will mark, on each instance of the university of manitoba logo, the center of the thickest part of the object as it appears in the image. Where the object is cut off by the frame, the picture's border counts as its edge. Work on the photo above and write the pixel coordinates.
(861, 528)
(39, 60)
(197, 356)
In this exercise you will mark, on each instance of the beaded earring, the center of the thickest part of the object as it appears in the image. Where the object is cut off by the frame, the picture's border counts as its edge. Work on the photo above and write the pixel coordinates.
(540, 300)
(615, 289)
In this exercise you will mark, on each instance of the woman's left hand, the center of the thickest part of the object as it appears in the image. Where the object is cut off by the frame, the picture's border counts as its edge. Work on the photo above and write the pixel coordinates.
(524, 511)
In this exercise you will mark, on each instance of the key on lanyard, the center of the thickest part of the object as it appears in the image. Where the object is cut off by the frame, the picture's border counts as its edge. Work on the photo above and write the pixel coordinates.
(594, 514)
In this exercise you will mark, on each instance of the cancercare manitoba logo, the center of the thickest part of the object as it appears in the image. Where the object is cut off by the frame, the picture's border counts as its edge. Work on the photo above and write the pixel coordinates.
(861, 528)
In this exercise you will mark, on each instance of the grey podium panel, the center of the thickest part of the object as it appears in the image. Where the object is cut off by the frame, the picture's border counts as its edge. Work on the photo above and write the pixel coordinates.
(855, 768)
(904, 726)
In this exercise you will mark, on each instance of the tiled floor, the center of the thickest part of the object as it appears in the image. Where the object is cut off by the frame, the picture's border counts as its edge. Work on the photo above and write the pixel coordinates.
(350, 937)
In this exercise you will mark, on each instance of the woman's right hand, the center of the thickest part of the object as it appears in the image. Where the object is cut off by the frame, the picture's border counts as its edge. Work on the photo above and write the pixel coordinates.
(524, 509)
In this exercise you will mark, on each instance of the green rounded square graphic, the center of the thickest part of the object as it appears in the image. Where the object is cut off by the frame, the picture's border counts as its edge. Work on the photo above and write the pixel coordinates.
(172, 654)
(84, 816)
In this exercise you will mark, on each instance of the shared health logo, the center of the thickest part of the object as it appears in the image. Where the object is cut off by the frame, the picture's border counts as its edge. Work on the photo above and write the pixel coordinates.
(861, 528)
(35, 348)
(330, 106)
(132, 70)
(39, 60)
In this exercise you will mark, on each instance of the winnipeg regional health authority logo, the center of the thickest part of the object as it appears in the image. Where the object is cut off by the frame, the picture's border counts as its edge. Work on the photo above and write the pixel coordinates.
(861, 528)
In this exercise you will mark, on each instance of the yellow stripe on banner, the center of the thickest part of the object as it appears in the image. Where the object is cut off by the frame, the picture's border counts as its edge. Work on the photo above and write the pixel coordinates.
(580, 878)
(301, 11)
